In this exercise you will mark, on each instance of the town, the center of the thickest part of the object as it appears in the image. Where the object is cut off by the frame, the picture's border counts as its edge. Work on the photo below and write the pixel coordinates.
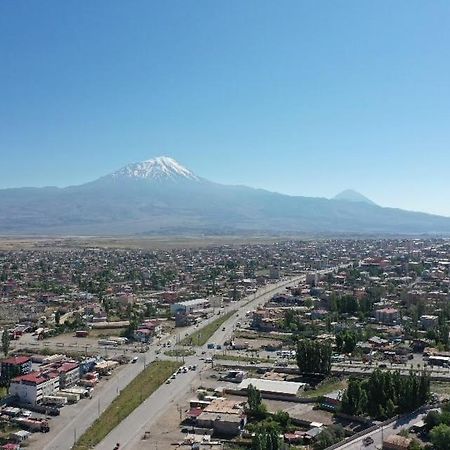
(313, 344)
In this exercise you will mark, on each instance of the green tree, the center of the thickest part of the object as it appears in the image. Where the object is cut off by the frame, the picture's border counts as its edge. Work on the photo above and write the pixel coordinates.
(440, 437)
(6, 341)
(254, 400)
(415, 445)
(432, 419)
(313, 356)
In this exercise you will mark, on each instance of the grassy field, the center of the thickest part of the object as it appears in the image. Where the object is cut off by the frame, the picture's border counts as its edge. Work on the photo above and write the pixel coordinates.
(440, 388)
(3, 392)
(131, 242)
(179, 352)
(147, 382)
(201, 336)
(327, 386)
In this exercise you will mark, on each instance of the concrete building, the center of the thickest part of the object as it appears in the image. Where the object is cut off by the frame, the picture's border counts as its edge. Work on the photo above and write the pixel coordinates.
(225, 417)
(189, 306)
(69, 374)
(387, 315)
(15, 366)
(31, 388)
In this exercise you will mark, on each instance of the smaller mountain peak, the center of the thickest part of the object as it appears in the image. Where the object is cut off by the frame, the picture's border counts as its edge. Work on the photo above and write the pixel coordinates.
(161, 168)
(350, 195)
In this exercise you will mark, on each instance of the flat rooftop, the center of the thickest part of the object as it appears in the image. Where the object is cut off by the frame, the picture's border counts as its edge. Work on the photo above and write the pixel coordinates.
(279, 387)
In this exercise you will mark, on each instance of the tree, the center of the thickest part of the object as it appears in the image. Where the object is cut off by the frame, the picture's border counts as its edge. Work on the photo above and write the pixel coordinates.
(354, 400)
(283, 419)
(255, 406)
(6, 341)
(385, 393)
(415, 445)
(432, 419)
(57, 317)
(440, 437)
(313, 356)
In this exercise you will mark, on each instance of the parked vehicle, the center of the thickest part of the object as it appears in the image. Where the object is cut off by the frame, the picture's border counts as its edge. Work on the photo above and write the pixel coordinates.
(33, 425)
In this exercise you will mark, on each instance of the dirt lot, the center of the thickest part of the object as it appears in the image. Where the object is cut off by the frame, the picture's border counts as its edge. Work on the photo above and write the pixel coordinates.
(124, 242)
(69, 343)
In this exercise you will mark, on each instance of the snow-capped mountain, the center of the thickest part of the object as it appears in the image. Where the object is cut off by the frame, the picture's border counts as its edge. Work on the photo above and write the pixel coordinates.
(160, 196)
(161, 168)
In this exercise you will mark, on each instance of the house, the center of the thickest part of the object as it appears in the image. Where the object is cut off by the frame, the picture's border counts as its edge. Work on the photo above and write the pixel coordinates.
(15, 366)
(143, 335)
(312, 434)
(153, 325)
(32, 387)
(225, 417)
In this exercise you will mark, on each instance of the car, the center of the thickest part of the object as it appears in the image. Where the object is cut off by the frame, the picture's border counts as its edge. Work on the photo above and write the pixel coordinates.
(134, 360)
(367, 441)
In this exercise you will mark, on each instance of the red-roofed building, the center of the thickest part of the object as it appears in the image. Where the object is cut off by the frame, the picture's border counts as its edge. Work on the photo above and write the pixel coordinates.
(67, 371)
(69, 374)
(15, 366)
(30, 388)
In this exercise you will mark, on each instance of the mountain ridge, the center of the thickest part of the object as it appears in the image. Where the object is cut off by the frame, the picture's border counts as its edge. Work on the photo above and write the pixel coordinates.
(160, 196)
(350, 195)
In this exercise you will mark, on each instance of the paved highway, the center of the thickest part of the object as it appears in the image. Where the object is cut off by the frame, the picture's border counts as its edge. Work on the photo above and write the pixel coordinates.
(130, 431)
(76, 419)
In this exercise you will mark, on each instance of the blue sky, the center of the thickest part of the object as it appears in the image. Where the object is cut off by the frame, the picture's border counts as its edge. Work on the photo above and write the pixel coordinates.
(301, 97)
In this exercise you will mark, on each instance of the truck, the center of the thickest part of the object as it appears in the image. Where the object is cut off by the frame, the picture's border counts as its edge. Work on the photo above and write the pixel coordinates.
(71, 396)
(107, 342)
(34, 425)
(48, 410)
(81, 333)
(81, 391)
(54, 400)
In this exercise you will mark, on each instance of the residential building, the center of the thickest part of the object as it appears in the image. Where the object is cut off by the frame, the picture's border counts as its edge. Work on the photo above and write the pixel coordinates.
(15, 366)
(30, 388)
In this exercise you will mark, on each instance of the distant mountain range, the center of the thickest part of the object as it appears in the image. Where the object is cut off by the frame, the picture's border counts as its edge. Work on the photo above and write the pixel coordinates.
(160, 196)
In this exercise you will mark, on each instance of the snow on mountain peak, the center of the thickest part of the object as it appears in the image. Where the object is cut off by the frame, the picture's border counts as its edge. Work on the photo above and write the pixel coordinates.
(158, 169)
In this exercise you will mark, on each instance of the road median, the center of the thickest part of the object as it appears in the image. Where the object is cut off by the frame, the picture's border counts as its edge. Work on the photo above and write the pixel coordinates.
(147, 382)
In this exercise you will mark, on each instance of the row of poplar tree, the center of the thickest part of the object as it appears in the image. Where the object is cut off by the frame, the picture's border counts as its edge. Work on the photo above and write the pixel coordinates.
(385, 394)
